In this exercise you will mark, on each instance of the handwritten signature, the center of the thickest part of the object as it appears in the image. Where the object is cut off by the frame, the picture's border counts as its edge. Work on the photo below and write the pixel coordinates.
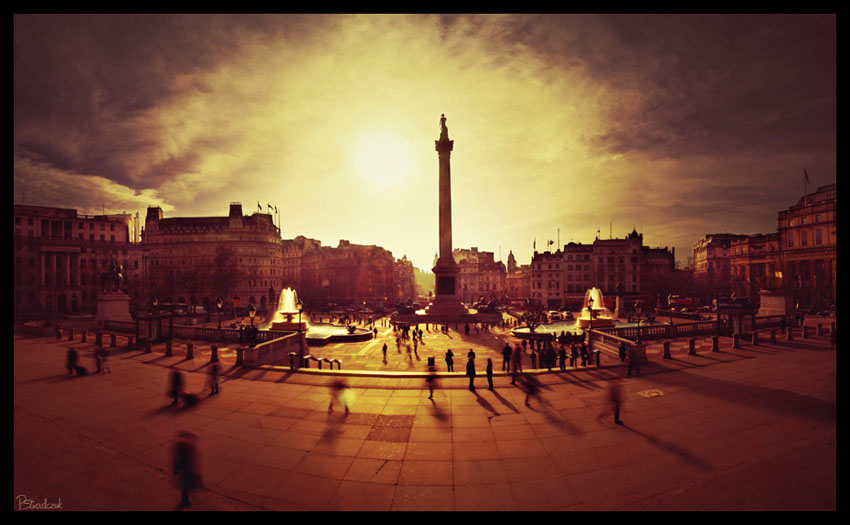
(24, 503)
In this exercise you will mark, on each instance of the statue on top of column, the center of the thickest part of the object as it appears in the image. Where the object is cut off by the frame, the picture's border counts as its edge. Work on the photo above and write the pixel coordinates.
(444, 131)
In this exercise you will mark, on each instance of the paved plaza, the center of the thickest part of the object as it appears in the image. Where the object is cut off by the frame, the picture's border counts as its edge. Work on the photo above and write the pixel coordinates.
(752, 428)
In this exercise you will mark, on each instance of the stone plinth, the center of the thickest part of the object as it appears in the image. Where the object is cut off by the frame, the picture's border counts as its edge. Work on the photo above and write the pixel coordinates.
(113, 306)
(777, 302)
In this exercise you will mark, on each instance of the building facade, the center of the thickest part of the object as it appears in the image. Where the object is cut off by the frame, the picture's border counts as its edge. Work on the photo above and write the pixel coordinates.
(800, 256)
(562, 278)
(480, 276)
(60, 257)
(712, 271)
(195, 260)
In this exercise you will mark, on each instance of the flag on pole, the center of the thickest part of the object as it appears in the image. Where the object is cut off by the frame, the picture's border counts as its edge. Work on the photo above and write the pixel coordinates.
(259, 207)
(806, 175)
(551, 242)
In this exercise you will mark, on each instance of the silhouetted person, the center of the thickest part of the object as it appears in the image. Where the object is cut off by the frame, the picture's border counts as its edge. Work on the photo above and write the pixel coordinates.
(384, 350)
(633, 361)
(562, 356)
(506, 357)
(490, 373)
(338, 389)
(98, 360)
(470, 373)
(450, 362)
(622, 352)
(104, 360)
(214, 378)
(58, 332)
(516, 361)
(550, 357)
(432, 381)
(583, 351)
(71, 360)
(533, 359)
(185, 466)
(175, 388)
(470, 354)
(573, 355)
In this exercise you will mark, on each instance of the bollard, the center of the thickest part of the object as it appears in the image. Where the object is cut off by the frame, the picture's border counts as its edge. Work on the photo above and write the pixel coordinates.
(736, 341)
(692, 346)
(213, 354)
(320, 361)
(84, 336)
(71, 334)
(98, 338)
(773, 336)
(240, 352)
(715, 343)
(820, 330)
(666, 354)
(338, 364)
(168, 352)
(755, 338)
(597, 358)
(805, 332)
(789, 334)
(190, 351)
(112, 340)
(292, 360)
(305, 361)
(130, 341)
(148, 348)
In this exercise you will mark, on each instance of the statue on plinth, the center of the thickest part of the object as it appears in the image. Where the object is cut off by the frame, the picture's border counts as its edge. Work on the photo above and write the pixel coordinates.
(112, 280)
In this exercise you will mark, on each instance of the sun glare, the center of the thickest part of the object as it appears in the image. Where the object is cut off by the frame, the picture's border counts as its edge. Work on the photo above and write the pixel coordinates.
(382, 159)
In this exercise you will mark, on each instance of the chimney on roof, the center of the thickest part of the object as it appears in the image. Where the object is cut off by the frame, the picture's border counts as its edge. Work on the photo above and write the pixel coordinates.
(235, 210)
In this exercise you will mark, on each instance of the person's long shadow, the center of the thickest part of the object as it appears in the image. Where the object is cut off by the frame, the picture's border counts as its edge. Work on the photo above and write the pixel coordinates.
(505, 401)
(441, 415)
(672, 447)
(484, 403)
(184, 406)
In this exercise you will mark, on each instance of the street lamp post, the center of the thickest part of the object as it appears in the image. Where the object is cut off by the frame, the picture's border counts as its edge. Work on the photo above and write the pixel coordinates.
(251, 313)
(219, 303)
(638, 311)
(300, 307)
(590, 310)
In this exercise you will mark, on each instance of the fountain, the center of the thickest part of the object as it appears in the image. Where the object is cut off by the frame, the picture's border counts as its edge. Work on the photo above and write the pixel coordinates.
(601, 315)
(287, 309)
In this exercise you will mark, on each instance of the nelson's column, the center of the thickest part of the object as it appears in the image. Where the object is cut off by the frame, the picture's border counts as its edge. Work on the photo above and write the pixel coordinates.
(446, 305)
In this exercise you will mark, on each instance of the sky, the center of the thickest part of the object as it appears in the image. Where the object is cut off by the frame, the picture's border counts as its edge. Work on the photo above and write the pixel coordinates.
(565, 127)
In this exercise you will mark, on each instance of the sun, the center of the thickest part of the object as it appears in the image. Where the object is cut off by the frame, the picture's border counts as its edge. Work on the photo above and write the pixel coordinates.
(383, 159)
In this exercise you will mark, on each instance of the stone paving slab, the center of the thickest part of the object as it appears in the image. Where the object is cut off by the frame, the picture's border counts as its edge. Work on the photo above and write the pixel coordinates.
(742, 429)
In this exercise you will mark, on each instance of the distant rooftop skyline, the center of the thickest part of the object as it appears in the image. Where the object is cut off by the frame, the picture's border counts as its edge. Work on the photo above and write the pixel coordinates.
(674, 125)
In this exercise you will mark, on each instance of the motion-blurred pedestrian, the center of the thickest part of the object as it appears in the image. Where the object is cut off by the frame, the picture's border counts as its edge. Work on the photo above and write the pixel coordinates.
(633, 361)
(432, 381)
(614, 401)
(184, 467)
(450, 362)
(214, 369)
(71, 360)
(339, 389)
(175, 388)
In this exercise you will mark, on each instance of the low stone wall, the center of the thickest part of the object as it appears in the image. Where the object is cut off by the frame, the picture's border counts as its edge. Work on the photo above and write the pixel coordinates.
(274, 352)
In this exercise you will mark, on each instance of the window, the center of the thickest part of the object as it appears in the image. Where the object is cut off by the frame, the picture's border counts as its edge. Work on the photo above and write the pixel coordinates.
(791, 239)
(818, 239)
(804, 238)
